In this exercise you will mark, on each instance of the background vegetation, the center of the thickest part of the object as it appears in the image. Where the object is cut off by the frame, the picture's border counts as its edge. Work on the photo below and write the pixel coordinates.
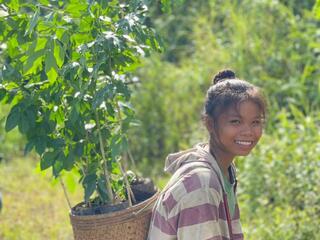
(274, 44)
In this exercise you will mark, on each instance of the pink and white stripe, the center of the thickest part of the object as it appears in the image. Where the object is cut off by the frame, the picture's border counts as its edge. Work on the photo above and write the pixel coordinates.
(191, 207)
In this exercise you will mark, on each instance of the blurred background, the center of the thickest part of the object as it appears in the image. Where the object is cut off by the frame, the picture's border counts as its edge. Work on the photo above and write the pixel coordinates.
(273, 44)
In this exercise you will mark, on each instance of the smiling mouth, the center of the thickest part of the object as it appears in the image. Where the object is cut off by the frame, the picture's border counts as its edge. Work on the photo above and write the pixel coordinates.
(244, 143)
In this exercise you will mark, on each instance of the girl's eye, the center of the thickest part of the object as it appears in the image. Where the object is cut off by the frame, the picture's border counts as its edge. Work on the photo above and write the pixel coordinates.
(256, 122)
(235, 121)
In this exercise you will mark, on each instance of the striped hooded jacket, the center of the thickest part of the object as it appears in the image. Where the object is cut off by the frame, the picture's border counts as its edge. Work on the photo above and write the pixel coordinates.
(193, 205)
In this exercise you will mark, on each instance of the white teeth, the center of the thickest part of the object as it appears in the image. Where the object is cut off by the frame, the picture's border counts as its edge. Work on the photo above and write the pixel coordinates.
(246, 143)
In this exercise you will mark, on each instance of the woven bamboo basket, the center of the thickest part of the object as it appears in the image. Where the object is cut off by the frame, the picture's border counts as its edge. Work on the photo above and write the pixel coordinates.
(129, 224)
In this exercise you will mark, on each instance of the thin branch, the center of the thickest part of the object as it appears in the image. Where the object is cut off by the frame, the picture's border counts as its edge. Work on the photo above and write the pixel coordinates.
(105, 172)
(65, 192)
(131, 158)
(130, 194)
(129, 191)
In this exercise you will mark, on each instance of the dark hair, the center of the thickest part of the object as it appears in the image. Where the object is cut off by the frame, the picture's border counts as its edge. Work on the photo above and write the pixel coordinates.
(228, 91)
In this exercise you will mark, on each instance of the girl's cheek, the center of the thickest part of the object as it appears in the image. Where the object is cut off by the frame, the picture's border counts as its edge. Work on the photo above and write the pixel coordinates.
(259, 132)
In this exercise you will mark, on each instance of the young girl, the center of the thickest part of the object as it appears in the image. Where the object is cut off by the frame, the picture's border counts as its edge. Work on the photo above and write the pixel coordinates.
(199, 202)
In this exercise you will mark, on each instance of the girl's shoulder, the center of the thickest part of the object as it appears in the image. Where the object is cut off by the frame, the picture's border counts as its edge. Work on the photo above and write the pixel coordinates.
(196, 179)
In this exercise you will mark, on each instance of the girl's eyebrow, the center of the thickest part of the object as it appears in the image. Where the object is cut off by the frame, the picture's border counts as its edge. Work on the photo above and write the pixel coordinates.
(239, 116)
(234, 115)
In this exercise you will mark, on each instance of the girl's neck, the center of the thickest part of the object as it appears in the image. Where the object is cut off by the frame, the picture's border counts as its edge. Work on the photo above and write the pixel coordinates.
(223, 159)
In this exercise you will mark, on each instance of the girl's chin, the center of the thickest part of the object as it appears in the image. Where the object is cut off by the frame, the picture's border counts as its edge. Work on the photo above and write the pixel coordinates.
(244, 153)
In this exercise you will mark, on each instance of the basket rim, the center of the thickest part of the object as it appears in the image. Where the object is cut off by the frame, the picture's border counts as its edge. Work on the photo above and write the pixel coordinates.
(135, 210)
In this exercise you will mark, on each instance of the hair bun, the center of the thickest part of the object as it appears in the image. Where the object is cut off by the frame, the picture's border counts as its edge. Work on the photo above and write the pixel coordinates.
(222, 75)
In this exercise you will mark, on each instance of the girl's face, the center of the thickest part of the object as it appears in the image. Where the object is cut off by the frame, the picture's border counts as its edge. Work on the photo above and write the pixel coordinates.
(238, 130)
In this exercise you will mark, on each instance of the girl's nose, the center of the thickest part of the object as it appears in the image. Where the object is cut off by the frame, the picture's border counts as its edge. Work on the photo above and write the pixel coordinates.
(246, 130)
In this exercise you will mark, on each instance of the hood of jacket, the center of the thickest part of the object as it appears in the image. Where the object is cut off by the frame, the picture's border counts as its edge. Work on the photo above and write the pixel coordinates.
(199, 153)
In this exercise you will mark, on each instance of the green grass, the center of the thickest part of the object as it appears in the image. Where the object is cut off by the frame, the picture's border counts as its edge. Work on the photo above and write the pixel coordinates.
(34, 207)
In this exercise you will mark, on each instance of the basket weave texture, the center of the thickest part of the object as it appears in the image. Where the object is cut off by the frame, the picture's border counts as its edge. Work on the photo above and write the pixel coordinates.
(128, 224)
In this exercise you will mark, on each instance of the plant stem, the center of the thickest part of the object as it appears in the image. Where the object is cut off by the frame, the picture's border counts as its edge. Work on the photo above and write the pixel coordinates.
(131, 158)
(65, 192)
(105, 172)
(129, 191)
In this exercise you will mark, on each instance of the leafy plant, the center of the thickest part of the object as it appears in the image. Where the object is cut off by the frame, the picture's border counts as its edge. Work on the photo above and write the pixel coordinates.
(279, 182)
(65, 71)
(251, 37)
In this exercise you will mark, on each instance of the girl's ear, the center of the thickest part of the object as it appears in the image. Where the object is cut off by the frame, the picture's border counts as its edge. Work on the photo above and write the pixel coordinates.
(209, 124)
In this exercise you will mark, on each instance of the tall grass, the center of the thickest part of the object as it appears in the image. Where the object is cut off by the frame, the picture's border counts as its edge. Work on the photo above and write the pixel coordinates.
(12, 144)
(33, 204)
(34, 207)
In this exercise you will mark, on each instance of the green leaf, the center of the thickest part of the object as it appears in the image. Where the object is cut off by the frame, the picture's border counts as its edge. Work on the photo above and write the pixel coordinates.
(44, 2)
(27, 118)
(65, 38)
(29, 146)
(126, 124)
(57, 143)
(33, 22)
(89, 184)
(59, 53)
(79, 149)
(105, 132)
(110, 109)
(89, 178)
(12, 119)
(9, 73)
(75, 9)
(104, 3)
(74, 115)
(48, 160)
(40, 144)
(58, 164)
(52, 74)
(51, 67)
(23, 124)
(41, 43)
(115, 168)
(298, 115)
(33, 62)
(3, 93)
(31, 115)
(119, 144)
(102, 94)
(35, 55)
(57, 115)
(71, 70)
(68, 162)
(316, 9)
(102, 189)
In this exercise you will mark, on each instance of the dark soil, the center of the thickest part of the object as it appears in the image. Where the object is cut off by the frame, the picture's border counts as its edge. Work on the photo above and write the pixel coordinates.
(82, 210)
(142, 188)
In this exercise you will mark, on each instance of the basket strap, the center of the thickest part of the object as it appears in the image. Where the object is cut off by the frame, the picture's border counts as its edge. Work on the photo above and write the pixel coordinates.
(147, 205)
